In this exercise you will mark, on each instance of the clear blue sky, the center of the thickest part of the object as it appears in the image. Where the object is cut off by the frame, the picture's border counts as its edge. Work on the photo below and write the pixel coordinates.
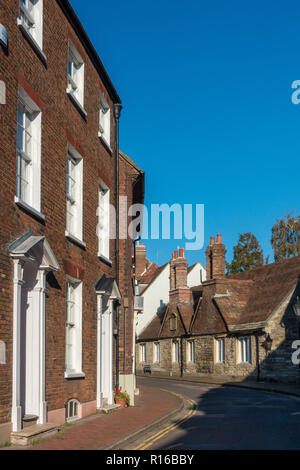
(206, 89)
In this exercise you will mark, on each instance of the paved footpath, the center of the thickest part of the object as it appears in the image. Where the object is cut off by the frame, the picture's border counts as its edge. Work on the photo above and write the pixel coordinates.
(100, 431)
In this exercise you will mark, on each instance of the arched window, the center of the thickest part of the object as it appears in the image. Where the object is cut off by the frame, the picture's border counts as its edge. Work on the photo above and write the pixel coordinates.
(72, 410)
(173, 322)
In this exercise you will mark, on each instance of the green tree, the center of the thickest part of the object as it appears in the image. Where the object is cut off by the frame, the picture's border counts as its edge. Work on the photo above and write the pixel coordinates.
(286, 237)
(247, 254)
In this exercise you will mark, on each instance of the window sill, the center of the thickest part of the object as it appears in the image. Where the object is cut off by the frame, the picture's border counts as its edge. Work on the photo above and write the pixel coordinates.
(32, 43)
(29, 209)
(104, 259)
(77, 105)
(105, 143)
(74, 375)
(75, 240)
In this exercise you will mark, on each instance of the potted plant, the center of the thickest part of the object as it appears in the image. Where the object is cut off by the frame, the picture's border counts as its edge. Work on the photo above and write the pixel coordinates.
(122, 398)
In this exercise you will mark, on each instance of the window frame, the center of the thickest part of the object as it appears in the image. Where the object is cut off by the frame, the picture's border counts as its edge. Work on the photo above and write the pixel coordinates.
(73, 360)
(175, 352)
(104, 120)
(244, 350)
(220, 350)
(70, 405)
(28, 154)
(156, 358)
(173, 322)
(143, 355)
(76, 80)
(75, 202)
(191, 351)
(103, 210)
(31, 19)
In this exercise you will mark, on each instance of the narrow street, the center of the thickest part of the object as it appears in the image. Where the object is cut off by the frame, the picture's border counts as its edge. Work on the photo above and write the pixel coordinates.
(226, 418)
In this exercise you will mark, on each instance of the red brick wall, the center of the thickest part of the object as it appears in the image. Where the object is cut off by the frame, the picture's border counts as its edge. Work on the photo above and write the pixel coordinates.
(129, 175)
(60, 121)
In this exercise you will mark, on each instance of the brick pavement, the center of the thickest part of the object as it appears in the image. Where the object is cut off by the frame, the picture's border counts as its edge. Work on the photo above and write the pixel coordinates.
(98, 431)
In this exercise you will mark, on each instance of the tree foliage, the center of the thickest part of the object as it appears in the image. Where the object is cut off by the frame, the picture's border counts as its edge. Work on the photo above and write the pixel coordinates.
(286, 237)
(247, 254)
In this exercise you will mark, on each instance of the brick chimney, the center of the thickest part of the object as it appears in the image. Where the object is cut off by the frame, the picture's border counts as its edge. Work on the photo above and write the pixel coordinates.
(140, 259)
(179, 291)
(215, 259)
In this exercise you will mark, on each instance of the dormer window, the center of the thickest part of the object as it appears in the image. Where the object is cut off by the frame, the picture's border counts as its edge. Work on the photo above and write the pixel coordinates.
(173, 322)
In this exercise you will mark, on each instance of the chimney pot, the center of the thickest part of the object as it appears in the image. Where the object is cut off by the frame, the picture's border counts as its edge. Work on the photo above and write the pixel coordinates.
(212, 241)
(181, 253)
(219, 238)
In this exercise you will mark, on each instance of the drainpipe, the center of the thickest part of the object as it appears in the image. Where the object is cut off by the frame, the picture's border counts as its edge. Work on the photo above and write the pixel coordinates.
(257, 358)
(117, 114)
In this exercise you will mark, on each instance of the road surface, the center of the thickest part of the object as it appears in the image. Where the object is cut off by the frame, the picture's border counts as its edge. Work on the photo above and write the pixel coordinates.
(224, 418)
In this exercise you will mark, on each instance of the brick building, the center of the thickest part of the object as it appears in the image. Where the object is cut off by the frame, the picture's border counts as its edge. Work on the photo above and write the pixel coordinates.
(66, 288)
(237, 327)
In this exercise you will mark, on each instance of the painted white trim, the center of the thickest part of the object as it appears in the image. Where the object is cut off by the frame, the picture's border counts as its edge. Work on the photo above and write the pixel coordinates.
(42, 295)
(74, 375)
(16, 385)
(30, 209)
(99, 351)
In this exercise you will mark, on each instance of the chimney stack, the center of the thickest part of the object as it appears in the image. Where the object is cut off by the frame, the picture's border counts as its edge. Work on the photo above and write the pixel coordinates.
(215, 259)
(140, 260)
(179, 291)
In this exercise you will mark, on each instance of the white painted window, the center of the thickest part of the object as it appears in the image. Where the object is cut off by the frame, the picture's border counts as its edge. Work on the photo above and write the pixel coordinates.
(28, 152)
(31, 18)
(103, 220)
(74, 193)
(72, 410)
(157, 352)
(75, 74)
(191, 351)
(175, 354)
(245, 350)
(73, 327)
(142, 353)
(104, 120)
(220, 350)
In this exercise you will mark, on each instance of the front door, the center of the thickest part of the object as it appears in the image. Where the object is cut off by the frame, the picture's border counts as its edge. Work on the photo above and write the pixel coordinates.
(30, 342)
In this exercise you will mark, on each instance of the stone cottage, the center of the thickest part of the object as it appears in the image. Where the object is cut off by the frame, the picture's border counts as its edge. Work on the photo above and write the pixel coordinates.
(234, 327)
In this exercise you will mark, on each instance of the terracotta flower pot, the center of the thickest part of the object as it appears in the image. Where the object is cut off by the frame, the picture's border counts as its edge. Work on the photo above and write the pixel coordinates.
(121, 401)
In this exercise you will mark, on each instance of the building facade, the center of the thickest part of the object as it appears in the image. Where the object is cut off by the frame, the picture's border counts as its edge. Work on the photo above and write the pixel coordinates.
(64, 295)
(154, 282)
(240, 327)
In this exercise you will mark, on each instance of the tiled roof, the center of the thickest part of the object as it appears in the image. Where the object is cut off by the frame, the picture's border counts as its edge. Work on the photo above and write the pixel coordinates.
(248, 298)
(152, 273)
(153, 329)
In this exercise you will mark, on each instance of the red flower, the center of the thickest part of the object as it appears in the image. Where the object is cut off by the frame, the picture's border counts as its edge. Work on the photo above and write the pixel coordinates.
(117, 392)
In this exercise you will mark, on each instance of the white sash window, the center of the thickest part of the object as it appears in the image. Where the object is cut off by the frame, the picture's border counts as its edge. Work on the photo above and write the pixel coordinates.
(175, 354)
(104, 120)
(73, 327)
(191, 351)
(74, 193)
(28, 178)
(220, 350)
(157, 352)
(31, 18)
(245, 350)
(103, 221)
(75, 74)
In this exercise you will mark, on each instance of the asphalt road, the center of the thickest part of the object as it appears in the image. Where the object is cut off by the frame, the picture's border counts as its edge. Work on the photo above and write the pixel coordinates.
(228, 418)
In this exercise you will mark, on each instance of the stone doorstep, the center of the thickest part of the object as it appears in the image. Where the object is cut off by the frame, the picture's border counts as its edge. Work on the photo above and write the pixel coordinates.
(32, 433)
(108, 409)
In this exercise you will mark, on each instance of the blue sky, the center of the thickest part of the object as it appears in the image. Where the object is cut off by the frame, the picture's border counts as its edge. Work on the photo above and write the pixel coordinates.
(206, 90)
